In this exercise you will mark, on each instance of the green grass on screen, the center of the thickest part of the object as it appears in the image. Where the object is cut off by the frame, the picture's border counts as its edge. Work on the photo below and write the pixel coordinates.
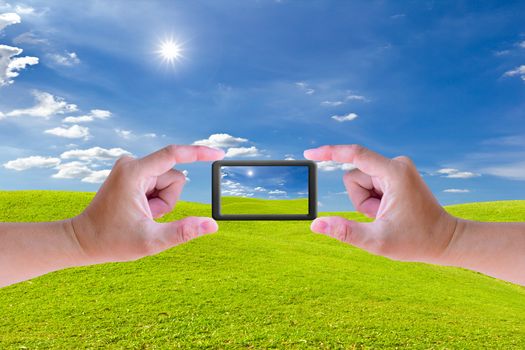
(242, 206)
(258, 285)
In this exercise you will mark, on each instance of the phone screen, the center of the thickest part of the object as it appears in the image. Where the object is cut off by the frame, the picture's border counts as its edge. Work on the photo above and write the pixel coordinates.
(247, 190)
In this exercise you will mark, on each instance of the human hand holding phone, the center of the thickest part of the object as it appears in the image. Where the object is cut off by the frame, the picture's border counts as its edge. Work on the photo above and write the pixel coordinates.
(118, 225)
(410, 225)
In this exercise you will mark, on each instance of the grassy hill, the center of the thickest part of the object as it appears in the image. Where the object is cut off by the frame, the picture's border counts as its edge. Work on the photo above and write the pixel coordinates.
(258, 285)
(240, 205)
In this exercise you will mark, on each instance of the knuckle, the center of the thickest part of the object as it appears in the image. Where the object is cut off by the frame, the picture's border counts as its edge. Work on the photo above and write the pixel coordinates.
(341, 232)
(123, 160)
(184, 231)
(405, 160)
(169, 149)
(123, 166)
(347, 235)
(358, 151)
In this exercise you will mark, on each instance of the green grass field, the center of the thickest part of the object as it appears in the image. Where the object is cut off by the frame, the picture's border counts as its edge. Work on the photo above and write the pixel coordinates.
(241, 205)
(258, 285)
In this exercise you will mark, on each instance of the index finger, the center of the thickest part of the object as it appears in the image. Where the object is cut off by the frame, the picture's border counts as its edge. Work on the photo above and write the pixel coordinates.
(164, 159)
(369, 162)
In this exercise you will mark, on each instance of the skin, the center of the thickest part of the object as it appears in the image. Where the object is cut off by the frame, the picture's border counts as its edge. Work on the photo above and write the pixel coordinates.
(410, 225)
(118, 225)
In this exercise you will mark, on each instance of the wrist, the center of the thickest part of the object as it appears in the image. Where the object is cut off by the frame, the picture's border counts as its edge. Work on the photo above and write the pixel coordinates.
(452, 253)
(73, 228)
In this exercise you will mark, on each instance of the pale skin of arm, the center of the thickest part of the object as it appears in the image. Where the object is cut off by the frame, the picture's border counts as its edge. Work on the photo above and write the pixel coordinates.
(410, 225)
(118, 225)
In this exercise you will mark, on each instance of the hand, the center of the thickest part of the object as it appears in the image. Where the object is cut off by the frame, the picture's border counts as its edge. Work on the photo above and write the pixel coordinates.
(409, 224)
(118, 225)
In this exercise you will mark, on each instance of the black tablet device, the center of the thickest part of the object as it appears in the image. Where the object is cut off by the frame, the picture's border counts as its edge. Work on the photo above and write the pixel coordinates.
(264, 190)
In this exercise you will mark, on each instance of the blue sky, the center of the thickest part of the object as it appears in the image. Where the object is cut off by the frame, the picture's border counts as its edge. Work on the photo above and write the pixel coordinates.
(267, 182)
(442, 82)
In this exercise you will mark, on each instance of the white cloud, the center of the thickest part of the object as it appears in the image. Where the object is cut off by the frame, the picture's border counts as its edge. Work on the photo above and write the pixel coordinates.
(353, 97)
(344, 118)
(398, 16)
(32, 162)
(260, 189)
(232, 188)
(242, 152)
(125, 134)
(330, 165)
(456, 190)
(47, 105)
(128, 134)
(21, 9)
(24, 10)
(82, 171)
(518, 71)
(331, 103)
(277, 192)
(350, 97)
(522, 44)
(289, 157)
(229, 142)
(29, 38)
(305, 87)
(67, 59)
(72, 170)
(93, 114)
(10, 65)
(186, 173)
(514, 171)
(95, 153)
(73, 132)
(97, 176)
(7, 19)
(221, 141)
(456, 174)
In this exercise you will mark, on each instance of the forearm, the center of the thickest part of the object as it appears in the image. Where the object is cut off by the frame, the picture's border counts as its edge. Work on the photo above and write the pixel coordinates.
(28, 250)
(495, 249)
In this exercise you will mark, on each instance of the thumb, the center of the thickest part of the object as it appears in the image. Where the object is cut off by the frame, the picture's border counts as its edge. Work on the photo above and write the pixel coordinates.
(181, 231)
(348, 231)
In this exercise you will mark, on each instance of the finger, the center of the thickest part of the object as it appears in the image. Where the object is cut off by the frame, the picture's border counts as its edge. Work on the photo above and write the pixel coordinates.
(181, 231)
(163, 160)
(346, 231)
(167, 192)
(362, 193)
(368, 161)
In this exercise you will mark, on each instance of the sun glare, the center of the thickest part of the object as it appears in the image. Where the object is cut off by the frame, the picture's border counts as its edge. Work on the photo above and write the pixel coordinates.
(249, 173)
(170, 51)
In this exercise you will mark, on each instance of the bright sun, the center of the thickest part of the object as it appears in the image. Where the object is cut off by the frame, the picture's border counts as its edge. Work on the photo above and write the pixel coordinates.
(170, 51)
(249, 173)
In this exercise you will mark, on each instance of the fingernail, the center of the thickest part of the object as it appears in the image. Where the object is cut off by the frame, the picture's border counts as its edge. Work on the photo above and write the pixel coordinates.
(208, 226)
(320, 226)
(307, 153)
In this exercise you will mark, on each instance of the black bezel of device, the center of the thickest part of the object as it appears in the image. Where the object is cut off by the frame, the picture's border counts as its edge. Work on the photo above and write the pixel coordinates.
(216, 190)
